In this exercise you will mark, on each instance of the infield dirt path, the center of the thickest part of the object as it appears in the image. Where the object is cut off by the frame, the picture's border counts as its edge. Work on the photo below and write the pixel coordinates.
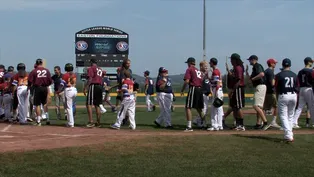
(16, 138)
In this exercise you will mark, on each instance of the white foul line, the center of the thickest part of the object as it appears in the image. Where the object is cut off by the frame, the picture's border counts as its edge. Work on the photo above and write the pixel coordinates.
(6, 128)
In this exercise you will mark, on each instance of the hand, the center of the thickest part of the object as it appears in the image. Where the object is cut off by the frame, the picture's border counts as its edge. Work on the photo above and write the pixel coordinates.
(84, 91)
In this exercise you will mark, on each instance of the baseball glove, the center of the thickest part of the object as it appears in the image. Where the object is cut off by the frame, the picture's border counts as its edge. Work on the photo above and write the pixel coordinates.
(218, 102)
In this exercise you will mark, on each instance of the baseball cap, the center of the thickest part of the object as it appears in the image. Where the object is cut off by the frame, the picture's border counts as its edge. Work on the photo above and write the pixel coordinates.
(286, 62)
(39, 61)
(271, 61)
(214, 61)
(235, 56)
(190, 60)
(162, 70)
(146, 72)
(308, 60)
(253, 57)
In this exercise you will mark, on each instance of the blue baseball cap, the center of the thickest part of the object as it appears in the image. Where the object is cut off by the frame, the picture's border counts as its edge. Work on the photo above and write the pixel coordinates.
(146, 72)
(253, 57)
(308, 60)
(286, 62)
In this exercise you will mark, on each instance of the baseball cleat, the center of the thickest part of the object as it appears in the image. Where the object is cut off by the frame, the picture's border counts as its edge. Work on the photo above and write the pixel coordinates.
(157, 124)
(265, 127)
(154, 108)
(296, 127)
(69, 126)
(90, 125)
(220, 128)
(37, 124)
(275, 125)
(212, 129)
(188, 129)
(307, 125)
(169, 127)
(48, 123)
(115, 127)
(240, 128)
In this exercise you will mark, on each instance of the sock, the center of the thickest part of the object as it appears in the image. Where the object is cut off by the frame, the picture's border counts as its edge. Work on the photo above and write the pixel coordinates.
(241, 121)
(307, 120)
(38, 119)
(189, 125)
(237, 122)
(274, 118)
(223, 122)
(265, 123)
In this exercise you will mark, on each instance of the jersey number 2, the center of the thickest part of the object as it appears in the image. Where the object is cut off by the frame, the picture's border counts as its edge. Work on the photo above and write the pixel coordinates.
(198, 74)
(289, 82)
(41, 73)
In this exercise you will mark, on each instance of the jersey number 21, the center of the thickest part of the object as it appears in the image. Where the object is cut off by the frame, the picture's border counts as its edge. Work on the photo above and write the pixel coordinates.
(289, 82)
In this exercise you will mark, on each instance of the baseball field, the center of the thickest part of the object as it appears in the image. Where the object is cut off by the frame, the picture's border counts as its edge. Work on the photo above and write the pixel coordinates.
(148, 151)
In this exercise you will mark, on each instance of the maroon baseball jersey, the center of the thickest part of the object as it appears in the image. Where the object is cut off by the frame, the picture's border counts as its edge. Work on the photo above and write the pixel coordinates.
(239, 74)
(95, 73)
(1, 75)
(40, 76)
(194, 75)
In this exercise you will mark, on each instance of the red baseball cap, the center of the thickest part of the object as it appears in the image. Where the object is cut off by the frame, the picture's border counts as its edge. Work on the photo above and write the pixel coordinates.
(271, 61)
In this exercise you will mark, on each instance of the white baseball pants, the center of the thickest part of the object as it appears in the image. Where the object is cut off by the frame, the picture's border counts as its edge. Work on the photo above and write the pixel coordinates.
(22, 96)
(7, 104)
(70, 94)
(217, 113)
(149, 103)
(127, 107)
(165, 102)
(286, 110)
(206, 102)
(305, 98)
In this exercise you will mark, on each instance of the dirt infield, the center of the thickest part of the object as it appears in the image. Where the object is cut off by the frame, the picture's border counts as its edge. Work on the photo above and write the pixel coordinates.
(17, 138)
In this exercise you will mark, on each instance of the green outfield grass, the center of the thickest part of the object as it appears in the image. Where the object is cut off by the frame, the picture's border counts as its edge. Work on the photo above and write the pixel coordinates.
(195, 155)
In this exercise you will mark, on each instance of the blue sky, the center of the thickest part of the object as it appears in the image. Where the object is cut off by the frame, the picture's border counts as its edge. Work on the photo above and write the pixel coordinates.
(162, 32)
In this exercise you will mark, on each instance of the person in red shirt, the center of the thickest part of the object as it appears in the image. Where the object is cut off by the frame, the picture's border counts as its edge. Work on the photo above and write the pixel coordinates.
(67, 85)
(20, 84)
(94, 95)
(237, 93)
(128, 103)
(216, 84)
(40, 79)
(194, 78)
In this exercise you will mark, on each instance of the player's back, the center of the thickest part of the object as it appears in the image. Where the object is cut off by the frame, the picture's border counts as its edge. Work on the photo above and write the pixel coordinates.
(305, 77)
(286, 82)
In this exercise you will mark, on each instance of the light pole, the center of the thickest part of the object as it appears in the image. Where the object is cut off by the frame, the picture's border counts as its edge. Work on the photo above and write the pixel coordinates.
(204, 30)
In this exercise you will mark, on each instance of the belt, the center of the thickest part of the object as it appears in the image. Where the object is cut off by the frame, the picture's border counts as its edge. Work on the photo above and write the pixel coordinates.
(22, 85)
(287, 93)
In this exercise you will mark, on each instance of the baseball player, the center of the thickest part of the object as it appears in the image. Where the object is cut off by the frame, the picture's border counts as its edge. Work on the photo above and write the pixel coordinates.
(258, 81)
(216, 84)
(7, 97)
(270, 102)
(237, 93)
(305, 92)
(94, 95)
(194, 78)
(165, 98)
(206, 90)
(68, 86)
(127, 104)
(286, 86)
(2, 72)
(20, 83)
(40, 79)
(106, 93)
(149, 91)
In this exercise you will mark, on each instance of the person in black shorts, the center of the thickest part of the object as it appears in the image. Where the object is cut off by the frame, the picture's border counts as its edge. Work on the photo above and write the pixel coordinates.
(237, 94)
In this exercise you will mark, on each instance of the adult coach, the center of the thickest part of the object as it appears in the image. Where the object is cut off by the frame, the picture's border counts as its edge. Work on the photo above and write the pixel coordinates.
(237, 93)
(285, 85)
(270, 102)
(305, 92)
(40, 79)
(194, 78)
(58, 97)
(94, 95)
(149, 91)
(258, 81)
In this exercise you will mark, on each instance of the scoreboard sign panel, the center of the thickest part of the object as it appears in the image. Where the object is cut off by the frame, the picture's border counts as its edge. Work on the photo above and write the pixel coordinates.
(109, 46)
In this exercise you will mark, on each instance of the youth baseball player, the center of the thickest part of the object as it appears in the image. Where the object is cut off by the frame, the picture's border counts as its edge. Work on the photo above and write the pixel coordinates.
(94, 95)
(237, 93)
(7, 97)
(40, 79)
(20, 83)
(2, 72)
(194, 78)
(149, 91)
(106, 94)
(270, 99)
(206, 90)
(165, 98)
(286, 86)
(127, 104)
(305, 92)
(258, 81)
(216, 84)
(70, 91)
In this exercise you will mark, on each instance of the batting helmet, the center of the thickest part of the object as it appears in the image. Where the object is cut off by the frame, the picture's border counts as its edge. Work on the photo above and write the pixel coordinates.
(21, 66)
(68, 67)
